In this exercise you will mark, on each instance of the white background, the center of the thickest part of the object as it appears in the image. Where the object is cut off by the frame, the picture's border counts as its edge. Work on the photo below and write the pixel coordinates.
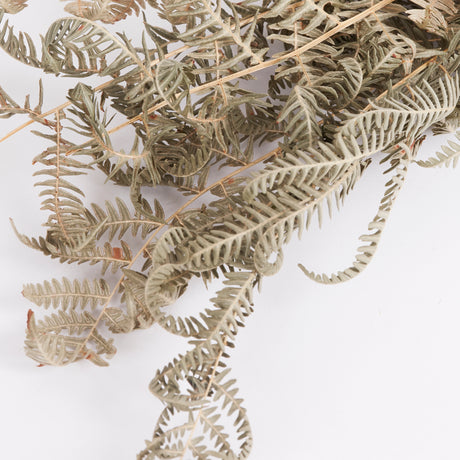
(366, 370)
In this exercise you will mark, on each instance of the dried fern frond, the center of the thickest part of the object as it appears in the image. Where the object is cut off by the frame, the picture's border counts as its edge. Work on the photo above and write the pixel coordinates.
(66, 294)
(448, 157)
(432, 15)
(9, 107)
(20, 46)
(46, 343)
(284, 103)
(108, 11)
(13, 6)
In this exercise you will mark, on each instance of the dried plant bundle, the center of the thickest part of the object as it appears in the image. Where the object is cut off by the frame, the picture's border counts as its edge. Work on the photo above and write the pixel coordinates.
(341, 83)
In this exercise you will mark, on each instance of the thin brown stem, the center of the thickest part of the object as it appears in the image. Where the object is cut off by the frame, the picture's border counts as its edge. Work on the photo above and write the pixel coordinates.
(41, 116)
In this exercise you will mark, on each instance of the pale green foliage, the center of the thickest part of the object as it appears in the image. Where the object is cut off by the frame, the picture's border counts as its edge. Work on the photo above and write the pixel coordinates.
(448, 157)
(13, 6)
(20, 46)
(108, 11)
(9, 107)
(366, 253)
(347, 80)
(202, 432)
(432, 14)
(66, 294)
(214, 28)
(46, 344)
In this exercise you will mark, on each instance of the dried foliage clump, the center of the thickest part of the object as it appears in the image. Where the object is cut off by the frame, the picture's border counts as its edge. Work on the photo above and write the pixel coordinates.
(347, 80)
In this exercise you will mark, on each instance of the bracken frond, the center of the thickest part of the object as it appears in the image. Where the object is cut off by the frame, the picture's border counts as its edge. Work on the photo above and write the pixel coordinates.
(66, 294)
(251, 119)
(448, 157)
(13, 6)
(108, 11)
